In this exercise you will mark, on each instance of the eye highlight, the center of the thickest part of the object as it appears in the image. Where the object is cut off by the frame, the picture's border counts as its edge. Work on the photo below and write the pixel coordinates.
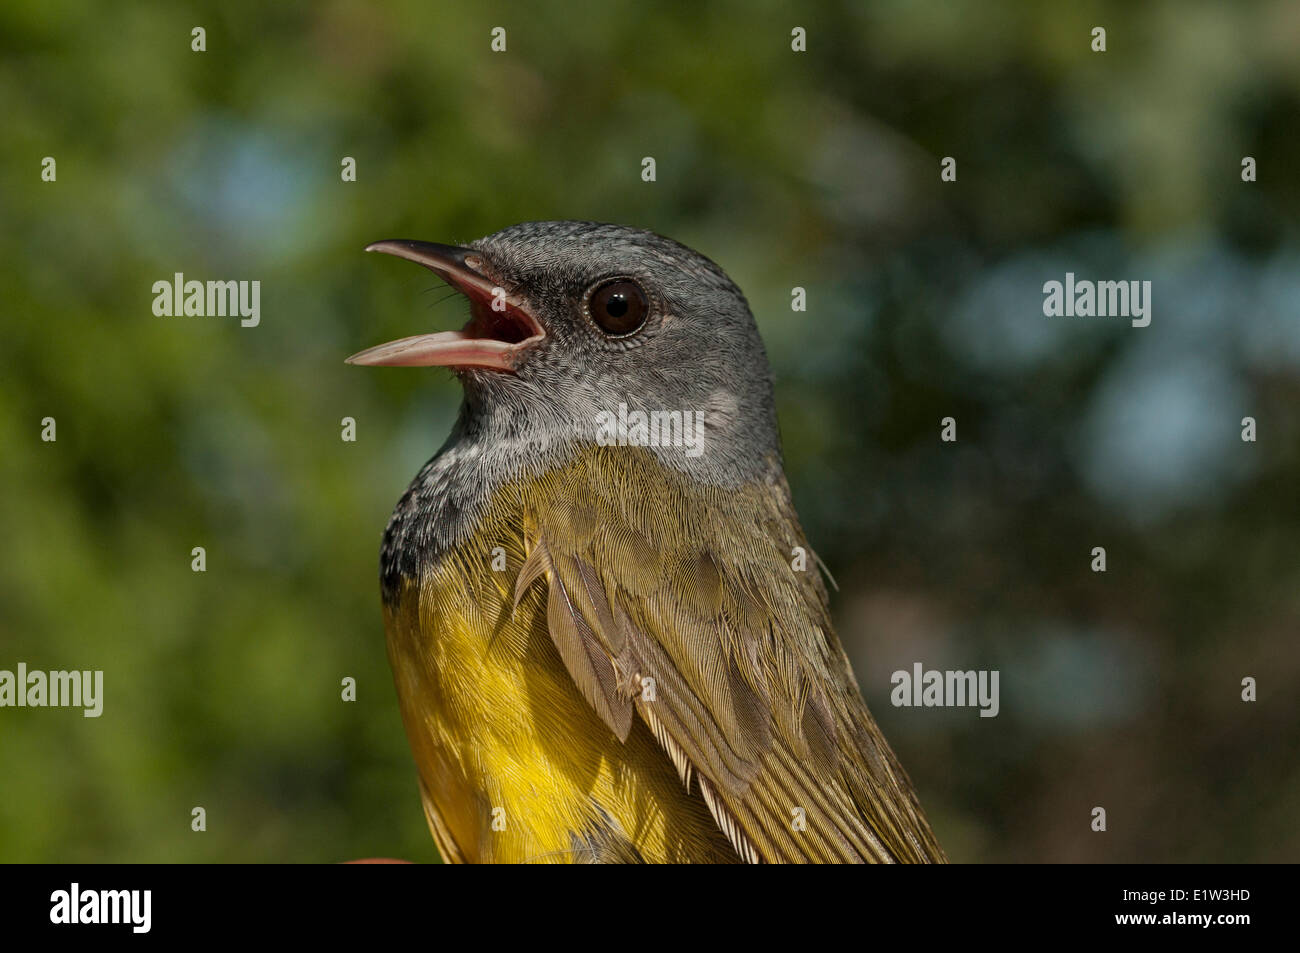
(619, 307)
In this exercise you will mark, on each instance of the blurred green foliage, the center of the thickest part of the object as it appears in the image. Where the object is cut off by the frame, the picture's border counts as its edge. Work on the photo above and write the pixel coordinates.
(818, 170)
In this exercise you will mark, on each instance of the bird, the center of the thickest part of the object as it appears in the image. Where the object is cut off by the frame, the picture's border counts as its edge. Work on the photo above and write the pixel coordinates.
(607, 641)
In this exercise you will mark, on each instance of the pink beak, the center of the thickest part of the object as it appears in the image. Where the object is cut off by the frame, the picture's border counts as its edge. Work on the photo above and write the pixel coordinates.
(500, 330)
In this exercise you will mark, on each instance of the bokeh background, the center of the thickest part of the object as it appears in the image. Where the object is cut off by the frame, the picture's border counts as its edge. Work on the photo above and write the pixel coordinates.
(816, 169)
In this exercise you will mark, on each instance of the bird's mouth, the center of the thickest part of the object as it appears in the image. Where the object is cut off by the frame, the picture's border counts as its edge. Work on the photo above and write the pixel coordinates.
(501, 327)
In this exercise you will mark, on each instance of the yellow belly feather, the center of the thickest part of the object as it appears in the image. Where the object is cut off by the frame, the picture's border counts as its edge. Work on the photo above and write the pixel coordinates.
(515, 767)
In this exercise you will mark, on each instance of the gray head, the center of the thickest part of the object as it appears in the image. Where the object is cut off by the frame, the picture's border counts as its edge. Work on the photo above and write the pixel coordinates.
(578, 325)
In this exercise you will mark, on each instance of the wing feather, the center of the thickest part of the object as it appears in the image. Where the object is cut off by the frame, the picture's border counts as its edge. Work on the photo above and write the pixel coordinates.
(681, 604)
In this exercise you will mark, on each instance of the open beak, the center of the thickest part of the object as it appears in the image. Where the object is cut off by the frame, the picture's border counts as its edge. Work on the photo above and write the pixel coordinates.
(500, 328)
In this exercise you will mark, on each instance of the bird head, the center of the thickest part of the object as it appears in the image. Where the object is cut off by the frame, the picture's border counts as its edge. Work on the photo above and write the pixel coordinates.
(571, 320)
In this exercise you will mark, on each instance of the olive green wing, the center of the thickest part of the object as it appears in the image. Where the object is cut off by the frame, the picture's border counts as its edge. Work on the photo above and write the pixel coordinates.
(683, 606)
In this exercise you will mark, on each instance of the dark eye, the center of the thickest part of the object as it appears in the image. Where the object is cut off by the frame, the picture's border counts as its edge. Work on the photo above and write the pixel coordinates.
(619, 307)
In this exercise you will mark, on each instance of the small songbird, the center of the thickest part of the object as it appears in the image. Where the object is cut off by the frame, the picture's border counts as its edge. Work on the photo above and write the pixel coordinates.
(608, 640)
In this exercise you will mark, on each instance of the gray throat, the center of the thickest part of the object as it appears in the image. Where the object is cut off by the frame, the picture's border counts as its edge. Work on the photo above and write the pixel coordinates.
(499, 437)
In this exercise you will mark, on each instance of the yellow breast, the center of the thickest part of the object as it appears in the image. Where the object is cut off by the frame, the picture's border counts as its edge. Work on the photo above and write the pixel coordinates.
(514, 765)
